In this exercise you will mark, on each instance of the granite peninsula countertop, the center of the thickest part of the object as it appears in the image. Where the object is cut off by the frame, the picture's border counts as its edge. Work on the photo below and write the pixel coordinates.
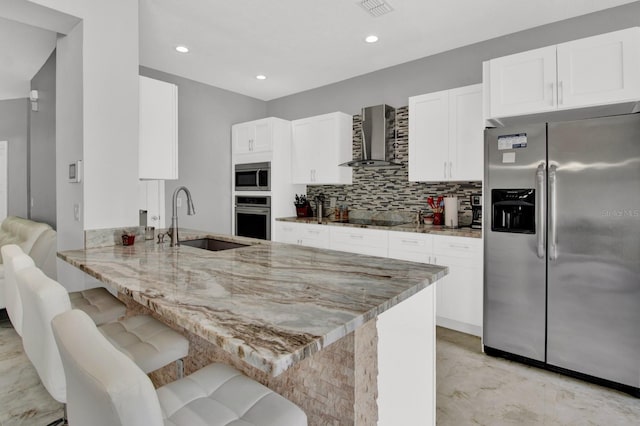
(271, 304)
(407, 227)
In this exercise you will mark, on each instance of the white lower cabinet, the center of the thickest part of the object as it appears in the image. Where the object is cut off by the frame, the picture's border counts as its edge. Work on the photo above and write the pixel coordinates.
(411, 246)
(303, 234)
(373, 242)
(459, 295)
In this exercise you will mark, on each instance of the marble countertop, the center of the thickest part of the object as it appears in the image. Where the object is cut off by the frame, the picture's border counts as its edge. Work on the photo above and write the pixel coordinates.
(408, 227)
(271, 304)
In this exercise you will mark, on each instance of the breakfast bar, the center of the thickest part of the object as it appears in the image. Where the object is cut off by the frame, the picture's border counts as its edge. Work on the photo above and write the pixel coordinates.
(347, 337)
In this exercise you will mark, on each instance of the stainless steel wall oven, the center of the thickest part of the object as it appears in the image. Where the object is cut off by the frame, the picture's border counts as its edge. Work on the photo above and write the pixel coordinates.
(253, 217)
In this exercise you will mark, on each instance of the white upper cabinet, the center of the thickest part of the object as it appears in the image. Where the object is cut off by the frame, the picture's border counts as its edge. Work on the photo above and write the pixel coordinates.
(320, 144)
(446, 135)
(158, 130)
(252, 136)
(429, 137)
(466, 133)
(524, 82)
(599, 70)
(593, 71)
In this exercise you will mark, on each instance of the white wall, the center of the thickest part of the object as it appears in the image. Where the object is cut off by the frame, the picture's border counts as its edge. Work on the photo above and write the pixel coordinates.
(110, 110)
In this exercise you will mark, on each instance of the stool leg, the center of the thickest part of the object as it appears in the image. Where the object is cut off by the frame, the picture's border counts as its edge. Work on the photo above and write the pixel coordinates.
(180, 368)
(62, 421)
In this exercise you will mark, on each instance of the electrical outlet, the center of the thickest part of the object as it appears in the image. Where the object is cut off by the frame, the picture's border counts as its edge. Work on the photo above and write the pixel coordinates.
(76, 212)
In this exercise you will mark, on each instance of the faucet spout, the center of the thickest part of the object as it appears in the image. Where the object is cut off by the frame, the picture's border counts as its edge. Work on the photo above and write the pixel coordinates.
(175, 241)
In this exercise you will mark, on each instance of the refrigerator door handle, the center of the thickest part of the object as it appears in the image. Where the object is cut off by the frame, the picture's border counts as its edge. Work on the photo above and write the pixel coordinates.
(541, 208)
(553, 232)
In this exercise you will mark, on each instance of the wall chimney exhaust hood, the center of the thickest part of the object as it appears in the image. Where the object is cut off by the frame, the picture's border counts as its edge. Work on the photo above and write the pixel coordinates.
(378, 138)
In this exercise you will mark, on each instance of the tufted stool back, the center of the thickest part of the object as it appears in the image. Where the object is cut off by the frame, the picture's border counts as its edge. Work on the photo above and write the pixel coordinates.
(43, 299)
(104, 386)
(14, 260)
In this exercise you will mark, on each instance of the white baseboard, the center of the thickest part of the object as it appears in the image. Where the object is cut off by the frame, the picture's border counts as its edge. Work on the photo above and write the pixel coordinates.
(462, 327)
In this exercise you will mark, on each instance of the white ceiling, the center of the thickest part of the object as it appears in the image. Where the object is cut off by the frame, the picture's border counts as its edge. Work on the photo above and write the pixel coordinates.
(23, 51)
(303, 44)
(297, 44)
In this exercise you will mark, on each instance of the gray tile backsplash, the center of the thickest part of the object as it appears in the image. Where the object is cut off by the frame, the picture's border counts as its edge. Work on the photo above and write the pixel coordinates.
(385, 190)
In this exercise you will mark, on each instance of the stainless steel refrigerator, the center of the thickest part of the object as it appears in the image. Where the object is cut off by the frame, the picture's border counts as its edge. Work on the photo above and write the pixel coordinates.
(562, 247)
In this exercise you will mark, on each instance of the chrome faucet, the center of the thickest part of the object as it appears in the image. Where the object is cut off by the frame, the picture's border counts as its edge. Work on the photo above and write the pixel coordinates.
(174, 219)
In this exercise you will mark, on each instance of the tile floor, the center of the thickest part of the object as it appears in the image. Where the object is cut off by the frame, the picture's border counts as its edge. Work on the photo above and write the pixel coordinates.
(472, 389)
(476, 389)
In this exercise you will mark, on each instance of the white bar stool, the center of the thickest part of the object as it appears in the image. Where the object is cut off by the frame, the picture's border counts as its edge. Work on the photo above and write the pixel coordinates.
(106, 388)
(153, 346)
(98, 303)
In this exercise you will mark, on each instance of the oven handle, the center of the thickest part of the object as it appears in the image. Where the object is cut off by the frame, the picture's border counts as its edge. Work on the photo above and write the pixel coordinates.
(258, 178)
(253, 210)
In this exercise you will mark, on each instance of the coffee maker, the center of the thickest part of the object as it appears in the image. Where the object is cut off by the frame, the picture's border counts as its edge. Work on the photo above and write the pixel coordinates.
(476, 211)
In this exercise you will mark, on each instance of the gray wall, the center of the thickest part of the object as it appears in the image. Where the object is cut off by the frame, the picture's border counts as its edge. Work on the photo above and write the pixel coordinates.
(205, 116)
(455, 68)
(14, 129)
(42, 146)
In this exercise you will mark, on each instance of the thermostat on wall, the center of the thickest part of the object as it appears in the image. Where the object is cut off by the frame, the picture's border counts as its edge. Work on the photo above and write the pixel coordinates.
(75, 172)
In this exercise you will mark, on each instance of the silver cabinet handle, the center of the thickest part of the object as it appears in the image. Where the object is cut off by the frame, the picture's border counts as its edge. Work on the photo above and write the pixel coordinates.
(355, 237)
(541, 208)
(459, 246)
(560, 93)
(553, 94)
(553, 231)
(445, 169)
(450, 167)
(412, 242)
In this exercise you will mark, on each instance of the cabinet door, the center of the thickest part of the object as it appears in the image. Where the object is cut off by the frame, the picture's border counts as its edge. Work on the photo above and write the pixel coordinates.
(466, 134)
(523, 83)
(262, 140)
(319, 144)
(324, 150)
(242, 137)
(459, 294)
(599, 70)
(429, 136)
(301, 151)
(158, 130)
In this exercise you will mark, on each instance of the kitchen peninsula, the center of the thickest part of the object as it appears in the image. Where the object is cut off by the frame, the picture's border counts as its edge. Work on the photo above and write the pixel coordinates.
(347, 337)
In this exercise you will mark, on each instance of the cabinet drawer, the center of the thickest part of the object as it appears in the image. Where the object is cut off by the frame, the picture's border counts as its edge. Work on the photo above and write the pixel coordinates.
(410, 246)
(373, 242)
(315, 232)
(410, 241)
(470, 248)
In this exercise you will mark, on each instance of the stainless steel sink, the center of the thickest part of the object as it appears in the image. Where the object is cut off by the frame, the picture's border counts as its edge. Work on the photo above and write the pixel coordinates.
(212, 244)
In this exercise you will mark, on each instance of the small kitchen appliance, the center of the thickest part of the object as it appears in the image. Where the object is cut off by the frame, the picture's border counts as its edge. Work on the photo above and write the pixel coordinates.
(253, 177)
(476, 211)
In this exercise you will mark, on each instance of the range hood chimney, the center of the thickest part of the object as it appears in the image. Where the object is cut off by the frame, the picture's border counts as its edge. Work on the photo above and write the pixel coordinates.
(378, 138)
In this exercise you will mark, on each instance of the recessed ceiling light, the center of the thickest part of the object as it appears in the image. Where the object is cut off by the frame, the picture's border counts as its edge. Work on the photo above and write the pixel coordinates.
(261, 77)
(371, 39)
(182, 49)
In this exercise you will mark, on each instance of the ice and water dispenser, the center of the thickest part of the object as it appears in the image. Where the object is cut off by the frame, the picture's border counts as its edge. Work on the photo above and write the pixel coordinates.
(513, 210)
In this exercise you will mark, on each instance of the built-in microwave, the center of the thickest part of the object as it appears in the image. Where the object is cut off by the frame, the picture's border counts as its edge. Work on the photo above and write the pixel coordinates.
(253, 177)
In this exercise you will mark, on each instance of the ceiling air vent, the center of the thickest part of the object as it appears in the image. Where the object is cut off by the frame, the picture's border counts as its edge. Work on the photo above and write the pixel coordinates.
(376, 7)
